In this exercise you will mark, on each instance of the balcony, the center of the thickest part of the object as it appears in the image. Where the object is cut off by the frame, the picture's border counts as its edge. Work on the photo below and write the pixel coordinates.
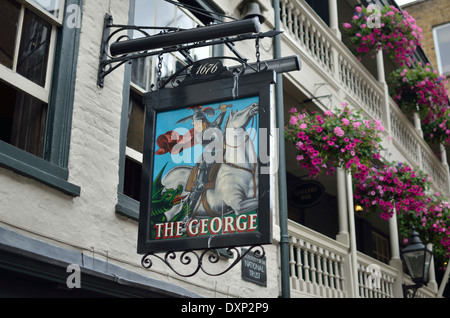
(319, 269)
(320, 264)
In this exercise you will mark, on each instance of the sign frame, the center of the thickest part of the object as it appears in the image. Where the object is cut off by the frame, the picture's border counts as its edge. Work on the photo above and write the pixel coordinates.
(222, 90)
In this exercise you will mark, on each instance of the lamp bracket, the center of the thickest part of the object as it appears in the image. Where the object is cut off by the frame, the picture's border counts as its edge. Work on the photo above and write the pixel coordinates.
(112, 34)
(409, 291)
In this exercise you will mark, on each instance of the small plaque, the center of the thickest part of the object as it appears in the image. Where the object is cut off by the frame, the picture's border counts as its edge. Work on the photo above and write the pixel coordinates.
(207, 68)
(254, 269)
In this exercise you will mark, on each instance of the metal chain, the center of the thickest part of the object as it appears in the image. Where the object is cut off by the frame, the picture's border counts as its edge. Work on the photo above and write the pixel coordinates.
(258, 55)
(159, 74)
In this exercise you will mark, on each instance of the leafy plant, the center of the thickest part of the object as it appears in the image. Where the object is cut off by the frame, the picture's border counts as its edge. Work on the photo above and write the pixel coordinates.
(397, 33)
(342, 138)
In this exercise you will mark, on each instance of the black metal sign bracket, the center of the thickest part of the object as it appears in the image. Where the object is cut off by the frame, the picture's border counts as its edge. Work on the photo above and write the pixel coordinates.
(118, 47)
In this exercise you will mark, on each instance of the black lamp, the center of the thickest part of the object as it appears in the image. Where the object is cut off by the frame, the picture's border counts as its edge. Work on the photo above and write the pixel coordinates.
(251, 10)
(417, 259)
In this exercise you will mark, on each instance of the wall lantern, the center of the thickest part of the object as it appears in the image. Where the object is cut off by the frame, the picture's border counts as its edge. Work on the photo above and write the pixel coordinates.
(252, 9)
(417, 259)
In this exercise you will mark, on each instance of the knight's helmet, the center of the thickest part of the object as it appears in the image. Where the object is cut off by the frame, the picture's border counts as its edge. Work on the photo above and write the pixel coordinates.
(199, 115)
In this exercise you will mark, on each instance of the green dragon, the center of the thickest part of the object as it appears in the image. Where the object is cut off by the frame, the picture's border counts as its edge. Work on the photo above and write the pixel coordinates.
(164, 200)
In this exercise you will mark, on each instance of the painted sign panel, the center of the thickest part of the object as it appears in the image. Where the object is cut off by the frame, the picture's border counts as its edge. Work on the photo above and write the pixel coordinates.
(203, 156)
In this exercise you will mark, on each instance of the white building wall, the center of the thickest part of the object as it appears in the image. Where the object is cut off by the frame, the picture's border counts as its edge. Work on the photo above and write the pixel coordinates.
(89, 223)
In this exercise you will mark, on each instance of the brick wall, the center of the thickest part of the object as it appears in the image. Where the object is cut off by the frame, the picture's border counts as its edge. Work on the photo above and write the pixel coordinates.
(429, 14)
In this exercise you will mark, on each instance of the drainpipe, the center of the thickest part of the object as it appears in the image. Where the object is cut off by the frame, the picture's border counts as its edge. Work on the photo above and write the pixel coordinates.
(282, 185)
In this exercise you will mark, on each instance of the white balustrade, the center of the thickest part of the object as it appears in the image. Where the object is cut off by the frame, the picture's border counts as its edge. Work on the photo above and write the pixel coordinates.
(316, 264)
(375, 279)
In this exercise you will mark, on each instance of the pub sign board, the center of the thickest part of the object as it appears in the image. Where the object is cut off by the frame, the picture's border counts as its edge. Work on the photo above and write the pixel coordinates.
(205, 176)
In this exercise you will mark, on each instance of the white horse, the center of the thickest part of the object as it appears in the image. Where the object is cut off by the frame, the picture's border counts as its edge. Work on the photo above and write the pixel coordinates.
(236, 184)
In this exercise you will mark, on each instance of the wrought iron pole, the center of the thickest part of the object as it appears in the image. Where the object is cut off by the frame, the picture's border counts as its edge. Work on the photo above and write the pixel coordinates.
(282, 185)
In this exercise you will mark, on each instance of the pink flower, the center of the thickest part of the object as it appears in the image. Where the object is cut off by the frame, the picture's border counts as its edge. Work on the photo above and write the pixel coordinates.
(347, 25)
(294, 120)
(303, 126)
(339, 132)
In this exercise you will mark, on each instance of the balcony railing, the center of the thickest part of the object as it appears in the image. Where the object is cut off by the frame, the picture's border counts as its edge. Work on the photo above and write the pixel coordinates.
(320, 268)
(375, 279)
(316, 264)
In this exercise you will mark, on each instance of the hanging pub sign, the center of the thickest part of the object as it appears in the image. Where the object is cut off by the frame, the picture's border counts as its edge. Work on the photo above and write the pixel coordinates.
(205, 179)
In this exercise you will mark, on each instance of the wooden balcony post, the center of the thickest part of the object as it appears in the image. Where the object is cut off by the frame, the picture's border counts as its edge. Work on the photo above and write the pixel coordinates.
(342, 236)
(334, 18)
(396, 260)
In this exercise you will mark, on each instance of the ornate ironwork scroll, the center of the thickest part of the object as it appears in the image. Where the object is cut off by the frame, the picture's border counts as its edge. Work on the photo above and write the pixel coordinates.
(197, 259)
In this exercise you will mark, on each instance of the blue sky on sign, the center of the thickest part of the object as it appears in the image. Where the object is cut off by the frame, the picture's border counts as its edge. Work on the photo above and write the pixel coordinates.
(167, 121)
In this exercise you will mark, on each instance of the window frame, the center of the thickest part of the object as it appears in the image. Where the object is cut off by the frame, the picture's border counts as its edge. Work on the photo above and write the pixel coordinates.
(126, 206)
(437, 47)
(52, 169)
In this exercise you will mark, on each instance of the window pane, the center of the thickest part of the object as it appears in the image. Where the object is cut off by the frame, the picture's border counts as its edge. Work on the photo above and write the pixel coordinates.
(443, 40)
(144, 15)
(135, 136)
(132, 181)
(34, 48)
(166, 14)
(22, 120)
(140, 72)
(9, 20)
(51, 6)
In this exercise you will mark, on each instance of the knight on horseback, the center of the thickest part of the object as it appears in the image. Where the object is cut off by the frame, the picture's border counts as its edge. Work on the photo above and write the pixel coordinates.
(205, 133)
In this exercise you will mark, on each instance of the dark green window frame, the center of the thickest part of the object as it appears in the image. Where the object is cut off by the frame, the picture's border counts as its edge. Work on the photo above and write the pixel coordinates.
(52, 169)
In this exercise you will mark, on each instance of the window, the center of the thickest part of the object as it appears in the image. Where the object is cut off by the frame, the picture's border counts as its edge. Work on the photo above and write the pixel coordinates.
(145, 70)
(143, 74)
(380, 247)
(321, 8)
(25, 50)
(36, 87)
(442, 45)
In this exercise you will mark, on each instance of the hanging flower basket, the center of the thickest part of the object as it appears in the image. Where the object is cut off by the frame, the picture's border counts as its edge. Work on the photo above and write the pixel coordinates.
(342, 138)
(392, 187)
(436, 127)
(432, 224)
(419, 89)
(390, 30)
(399, 188)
